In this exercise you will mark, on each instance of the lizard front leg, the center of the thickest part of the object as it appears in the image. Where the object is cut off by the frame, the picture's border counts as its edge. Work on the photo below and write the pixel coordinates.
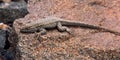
(63, 28)
(42, 31)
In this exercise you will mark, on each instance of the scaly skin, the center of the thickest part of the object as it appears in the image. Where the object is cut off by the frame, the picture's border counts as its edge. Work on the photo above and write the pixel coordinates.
(54, 22)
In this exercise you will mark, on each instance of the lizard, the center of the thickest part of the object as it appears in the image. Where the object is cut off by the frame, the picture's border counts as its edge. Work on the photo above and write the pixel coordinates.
(51, 22)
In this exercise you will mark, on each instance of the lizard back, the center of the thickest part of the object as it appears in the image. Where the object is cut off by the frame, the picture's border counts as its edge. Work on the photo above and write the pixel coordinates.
(41, 22)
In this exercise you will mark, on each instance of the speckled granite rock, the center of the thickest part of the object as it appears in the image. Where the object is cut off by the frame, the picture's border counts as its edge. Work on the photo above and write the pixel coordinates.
(88, 44)
(8, 13)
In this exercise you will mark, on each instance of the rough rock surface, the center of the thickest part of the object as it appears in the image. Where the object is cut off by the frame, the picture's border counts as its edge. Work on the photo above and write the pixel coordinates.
(6, 49)
(2, 38)
(8, 13)
(88, 44)
(8, 41)
(6, 54)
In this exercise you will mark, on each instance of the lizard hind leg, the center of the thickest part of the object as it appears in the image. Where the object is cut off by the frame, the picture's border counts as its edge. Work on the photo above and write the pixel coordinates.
(63, 28)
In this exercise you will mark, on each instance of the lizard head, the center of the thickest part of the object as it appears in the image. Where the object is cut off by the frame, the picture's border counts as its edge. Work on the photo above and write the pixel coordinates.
(28, 30)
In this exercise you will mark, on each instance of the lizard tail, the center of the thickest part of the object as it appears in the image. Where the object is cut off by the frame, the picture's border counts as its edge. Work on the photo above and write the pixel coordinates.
(80, 24)
(85, 25)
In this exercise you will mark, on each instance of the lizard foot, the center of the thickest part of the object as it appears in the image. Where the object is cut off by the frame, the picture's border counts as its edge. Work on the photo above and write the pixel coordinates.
(64, 28)
(42, 31)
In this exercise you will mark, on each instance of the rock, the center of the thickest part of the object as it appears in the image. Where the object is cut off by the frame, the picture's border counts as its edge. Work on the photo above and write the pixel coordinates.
(88, 44)
(6, 54)
(11, 11)
(3, 38)
(5, 44)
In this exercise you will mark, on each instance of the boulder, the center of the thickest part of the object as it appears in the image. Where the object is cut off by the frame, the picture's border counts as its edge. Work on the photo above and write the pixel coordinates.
(87, 44)
(11, 11)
